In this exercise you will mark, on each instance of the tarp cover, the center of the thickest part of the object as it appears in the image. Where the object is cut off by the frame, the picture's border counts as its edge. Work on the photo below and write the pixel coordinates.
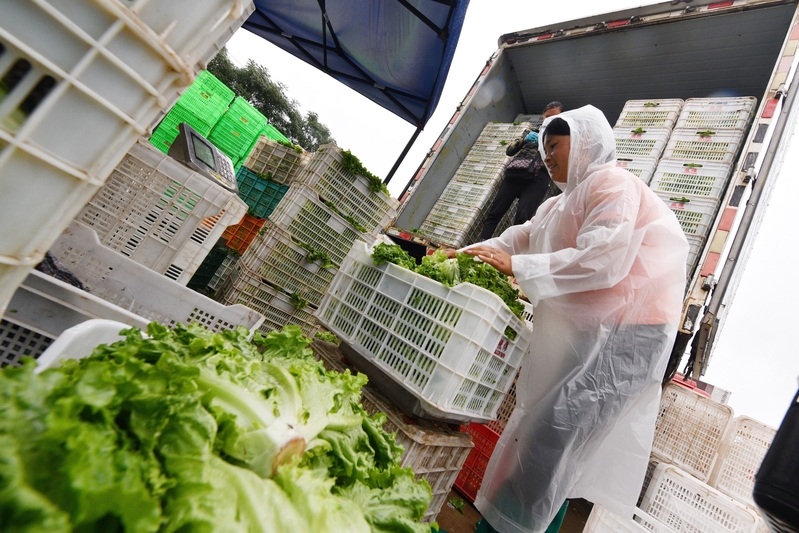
(397, 53)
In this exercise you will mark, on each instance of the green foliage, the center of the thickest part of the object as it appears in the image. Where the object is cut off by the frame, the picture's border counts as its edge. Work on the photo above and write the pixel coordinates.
(298, 301)
(353, 165)
(355, 224)
(254, 84)
(327, 337)
(317, 255)
(451, 272)
(458, 504)
(189, 430)
(393, 253)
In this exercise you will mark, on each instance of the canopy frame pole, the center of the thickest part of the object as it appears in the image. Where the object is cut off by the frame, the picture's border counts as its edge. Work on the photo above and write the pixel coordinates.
(403, 154)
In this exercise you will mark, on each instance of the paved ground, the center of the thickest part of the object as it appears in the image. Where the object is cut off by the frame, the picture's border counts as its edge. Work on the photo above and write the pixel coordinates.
(452, 521)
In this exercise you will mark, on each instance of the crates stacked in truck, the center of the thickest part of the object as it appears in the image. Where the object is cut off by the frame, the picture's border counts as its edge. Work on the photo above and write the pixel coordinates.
(291, 263)
(160, 213)
(201, 105)
(697, 163)
(458, 217)
(641, 133)
(435, 452)
(74, 103)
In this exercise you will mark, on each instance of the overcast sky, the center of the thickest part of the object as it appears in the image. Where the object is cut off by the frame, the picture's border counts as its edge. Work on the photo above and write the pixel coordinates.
(756, 357)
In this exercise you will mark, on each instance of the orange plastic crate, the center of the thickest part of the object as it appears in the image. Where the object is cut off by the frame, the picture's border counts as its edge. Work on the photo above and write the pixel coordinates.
(471, 476)
(240, 236)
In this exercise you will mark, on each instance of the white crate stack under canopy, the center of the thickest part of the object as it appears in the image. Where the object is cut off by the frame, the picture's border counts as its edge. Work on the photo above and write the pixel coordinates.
(288, 268)
(160, 213)
(68, 118)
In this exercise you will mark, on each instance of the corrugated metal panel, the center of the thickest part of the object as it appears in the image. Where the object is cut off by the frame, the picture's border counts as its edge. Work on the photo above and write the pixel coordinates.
(731, 54)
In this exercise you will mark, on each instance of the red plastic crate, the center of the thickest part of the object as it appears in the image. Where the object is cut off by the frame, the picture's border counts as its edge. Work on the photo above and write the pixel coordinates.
(240, 236)
(471, 476)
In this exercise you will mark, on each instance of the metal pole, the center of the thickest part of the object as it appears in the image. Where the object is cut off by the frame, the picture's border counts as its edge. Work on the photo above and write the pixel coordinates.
(402, 155)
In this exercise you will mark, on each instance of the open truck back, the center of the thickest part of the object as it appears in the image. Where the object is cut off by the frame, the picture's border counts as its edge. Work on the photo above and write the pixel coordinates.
(679, 49)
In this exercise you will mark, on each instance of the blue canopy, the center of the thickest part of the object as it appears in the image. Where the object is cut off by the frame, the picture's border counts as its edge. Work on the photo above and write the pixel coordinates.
(397, 53)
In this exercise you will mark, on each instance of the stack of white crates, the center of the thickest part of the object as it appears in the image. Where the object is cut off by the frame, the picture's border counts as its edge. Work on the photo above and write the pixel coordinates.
(160, 213)
(697, 163)
(458, 217)
(702, 469)
(287, 269)
(641, 133)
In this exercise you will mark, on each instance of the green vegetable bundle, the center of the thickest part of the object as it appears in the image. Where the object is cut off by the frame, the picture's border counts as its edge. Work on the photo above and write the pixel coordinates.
(462, 268)
(191, 431)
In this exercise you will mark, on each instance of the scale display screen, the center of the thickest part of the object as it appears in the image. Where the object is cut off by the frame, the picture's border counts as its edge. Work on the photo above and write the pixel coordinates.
(195, 152)
(202, 151)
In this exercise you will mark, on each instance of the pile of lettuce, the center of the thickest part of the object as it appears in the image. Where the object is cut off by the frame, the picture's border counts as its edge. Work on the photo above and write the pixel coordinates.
(185, 430)
(463, 268)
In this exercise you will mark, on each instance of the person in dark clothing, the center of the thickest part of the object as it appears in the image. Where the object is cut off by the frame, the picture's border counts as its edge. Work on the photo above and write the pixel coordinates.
(525, 178)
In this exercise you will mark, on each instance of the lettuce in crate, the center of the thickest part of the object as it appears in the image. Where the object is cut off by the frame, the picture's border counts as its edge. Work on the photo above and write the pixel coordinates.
(189, 430)
(450, 272)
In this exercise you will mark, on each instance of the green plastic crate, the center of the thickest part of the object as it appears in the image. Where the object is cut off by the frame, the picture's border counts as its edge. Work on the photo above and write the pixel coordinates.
(164, 135)
(260, 194)
(208, 268)
(207, 97)
(273, 133)
(238, 129)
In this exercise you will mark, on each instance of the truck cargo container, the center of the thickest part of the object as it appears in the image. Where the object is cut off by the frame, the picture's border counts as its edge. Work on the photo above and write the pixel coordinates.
(678, 49)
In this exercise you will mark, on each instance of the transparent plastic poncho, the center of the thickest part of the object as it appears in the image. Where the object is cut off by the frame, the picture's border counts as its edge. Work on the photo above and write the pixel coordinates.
(604, 266)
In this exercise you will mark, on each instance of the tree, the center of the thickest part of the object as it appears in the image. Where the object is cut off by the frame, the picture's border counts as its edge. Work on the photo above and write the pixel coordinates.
(254, 84)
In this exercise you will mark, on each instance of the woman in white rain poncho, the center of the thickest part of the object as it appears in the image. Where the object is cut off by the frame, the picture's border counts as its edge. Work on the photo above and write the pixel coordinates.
(604, 266)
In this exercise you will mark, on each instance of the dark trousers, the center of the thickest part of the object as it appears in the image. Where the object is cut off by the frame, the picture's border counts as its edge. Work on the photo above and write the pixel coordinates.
(529, 190)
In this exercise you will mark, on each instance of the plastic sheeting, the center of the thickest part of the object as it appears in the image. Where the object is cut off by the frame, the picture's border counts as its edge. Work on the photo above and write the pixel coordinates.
(604, 265)
(397, 53)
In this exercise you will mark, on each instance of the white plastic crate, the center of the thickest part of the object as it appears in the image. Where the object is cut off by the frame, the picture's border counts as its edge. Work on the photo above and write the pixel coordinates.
(740, 456)
(90, 81)
(717, 113)
(480, 174)
(309, 220)
(453, 225)
(467, 195)
(633, 143)
(490, 145)
(708, 180)
(244, 287)
(643, 167)
(507, 219)
(160, 213)
(446, 346)
(603, 521)
(326, 175)
(135, 288)
(505, 410)
(42, 308)
(533, 120)
(280, 261)
(696, 243)
(278, 160)
(689, 430)
(719, 146)
(434, 451)
(688, 505)
(694, 213)
(222, 272)
(649, 113)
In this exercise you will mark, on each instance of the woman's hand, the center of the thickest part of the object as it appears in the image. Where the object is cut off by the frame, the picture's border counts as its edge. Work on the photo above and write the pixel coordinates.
(450, 252)
(494, 257)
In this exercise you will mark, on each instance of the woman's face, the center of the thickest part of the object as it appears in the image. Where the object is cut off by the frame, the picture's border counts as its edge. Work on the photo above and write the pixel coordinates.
(557, 161)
